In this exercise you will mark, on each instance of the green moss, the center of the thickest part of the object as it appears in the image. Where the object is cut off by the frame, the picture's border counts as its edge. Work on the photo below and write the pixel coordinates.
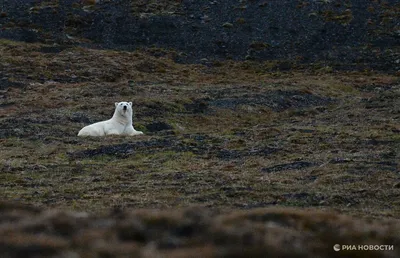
(7, 42)
(140, 127)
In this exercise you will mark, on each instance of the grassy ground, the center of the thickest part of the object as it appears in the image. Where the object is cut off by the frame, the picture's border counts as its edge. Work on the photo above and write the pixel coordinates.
(225, 137)
(231, 135)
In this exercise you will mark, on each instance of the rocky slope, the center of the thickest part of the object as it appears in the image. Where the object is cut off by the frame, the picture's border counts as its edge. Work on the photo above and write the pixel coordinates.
(346, 33)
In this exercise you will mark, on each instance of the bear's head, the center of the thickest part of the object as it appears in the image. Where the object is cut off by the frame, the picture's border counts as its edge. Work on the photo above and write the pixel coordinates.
(124, 109)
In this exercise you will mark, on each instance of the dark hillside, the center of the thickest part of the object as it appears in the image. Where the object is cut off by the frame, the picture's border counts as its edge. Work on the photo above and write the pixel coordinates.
(347, 34)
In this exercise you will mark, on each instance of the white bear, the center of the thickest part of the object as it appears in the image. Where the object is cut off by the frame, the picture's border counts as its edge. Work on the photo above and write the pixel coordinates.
(119, 124)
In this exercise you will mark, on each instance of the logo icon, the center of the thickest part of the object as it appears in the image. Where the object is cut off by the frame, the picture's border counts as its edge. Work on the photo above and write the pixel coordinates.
(336, 247)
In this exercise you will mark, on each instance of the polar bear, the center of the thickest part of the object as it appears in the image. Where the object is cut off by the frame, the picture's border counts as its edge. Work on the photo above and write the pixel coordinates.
(119, 124)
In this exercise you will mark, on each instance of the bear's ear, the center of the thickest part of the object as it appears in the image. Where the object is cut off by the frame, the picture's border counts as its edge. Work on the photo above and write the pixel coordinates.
(130, 103)
(116, 103)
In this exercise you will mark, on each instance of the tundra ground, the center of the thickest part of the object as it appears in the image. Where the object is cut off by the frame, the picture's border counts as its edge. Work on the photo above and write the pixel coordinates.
(223, 137)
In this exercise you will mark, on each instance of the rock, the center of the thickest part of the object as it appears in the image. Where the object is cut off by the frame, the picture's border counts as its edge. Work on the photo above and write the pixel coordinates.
(227, 25)
(158, 126)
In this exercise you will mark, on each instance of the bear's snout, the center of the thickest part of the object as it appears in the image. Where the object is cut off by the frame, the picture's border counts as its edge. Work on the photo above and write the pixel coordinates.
(125, 107)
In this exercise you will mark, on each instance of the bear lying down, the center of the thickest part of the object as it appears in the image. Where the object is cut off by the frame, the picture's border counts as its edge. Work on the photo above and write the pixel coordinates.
(119, 124)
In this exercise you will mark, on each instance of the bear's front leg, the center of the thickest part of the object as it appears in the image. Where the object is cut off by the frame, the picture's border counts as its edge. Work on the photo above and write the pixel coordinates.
(136, 132)
(131, 131)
